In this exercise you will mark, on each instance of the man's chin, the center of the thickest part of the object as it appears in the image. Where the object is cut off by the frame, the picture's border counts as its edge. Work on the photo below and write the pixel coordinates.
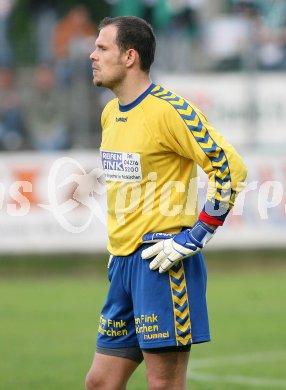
(101, 83)
(98, 83)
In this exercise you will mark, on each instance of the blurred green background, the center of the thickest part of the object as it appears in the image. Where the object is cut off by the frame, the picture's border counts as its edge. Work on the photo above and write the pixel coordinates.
(50, 307)
(22, 26)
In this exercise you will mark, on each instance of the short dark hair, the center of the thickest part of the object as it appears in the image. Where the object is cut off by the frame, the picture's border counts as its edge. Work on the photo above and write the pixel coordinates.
(134, 33)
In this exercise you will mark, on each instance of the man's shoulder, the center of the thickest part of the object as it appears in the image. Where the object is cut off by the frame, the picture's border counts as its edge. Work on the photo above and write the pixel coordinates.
(172, 103)
(109, 107)
(166, 101)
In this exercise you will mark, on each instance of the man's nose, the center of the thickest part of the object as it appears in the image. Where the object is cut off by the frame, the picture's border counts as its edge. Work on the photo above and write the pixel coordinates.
(93, 56)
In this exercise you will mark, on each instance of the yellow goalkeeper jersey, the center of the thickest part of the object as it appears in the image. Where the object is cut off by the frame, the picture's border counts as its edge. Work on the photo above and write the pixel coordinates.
(150, 151)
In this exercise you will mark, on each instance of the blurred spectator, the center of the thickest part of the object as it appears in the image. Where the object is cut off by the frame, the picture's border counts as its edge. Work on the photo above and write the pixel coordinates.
(148, 10)
(126, 7)
(250, 14)
(6, 7)
(229, 40)
(11, 124)
(73, 40)
(184, 23)
(160, 16)
(45, 16)
(185, 14)
(272, 35)
(46, 112)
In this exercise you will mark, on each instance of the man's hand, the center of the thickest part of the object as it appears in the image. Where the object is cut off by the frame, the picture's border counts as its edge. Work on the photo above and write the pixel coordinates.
(170, 248)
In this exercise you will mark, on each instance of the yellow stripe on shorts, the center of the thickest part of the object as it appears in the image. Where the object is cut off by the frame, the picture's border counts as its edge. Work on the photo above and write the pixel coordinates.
(181, 308)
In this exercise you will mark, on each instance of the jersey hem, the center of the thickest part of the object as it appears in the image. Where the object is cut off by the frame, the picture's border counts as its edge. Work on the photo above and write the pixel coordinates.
(201, 339)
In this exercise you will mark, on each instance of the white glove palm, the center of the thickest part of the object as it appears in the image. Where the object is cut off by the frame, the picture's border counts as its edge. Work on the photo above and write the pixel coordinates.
(172, 248)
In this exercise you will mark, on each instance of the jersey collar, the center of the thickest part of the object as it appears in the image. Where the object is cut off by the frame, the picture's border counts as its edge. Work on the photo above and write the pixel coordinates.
(133, 104)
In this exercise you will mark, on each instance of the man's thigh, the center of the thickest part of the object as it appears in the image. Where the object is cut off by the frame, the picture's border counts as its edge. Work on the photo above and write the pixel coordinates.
(109, 372)
(166, 370)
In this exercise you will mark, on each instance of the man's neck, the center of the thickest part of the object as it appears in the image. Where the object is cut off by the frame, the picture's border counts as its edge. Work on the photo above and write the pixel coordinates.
(131, 89)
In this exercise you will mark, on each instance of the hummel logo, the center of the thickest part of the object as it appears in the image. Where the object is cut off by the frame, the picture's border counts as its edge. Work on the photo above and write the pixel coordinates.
(121, 119)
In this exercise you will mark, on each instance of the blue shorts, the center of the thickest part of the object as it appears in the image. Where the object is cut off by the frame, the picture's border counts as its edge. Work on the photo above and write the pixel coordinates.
(146, 309)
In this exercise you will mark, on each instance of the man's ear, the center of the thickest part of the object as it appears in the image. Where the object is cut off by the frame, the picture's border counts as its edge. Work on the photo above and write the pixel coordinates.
(131, 57)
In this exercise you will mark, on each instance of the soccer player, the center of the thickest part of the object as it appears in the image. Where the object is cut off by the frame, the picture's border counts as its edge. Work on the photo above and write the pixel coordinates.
(152, 143)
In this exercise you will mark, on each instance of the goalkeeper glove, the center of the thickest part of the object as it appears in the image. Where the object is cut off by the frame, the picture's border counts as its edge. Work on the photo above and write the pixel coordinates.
(171, 248)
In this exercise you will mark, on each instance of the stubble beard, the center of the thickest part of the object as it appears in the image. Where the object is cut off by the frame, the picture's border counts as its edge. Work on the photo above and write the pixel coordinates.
(98, 83)
(109, 84)
(112, 83)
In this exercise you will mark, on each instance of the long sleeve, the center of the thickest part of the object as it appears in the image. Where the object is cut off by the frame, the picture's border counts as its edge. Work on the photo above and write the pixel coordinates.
(188, 133)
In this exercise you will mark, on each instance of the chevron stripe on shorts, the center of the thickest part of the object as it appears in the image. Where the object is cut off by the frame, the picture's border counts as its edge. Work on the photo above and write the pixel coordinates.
(182, 319)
